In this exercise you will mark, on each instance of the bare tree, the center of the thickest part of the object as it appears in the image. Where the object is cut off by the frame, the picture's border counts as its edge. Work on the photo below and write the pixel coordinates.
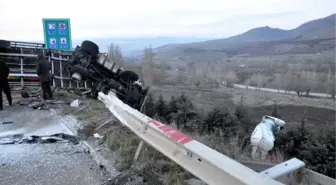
(257, 80)
(330, 85)
(278, 80)
(253, 81)
(327, 82)
(299, 80)
(297, 83)
(119, 60)
(181, 78)
(288, 80)
(114, 54)
(260, 81)
(147, 65)
(205, 74)
(231, 78)
(308, 81)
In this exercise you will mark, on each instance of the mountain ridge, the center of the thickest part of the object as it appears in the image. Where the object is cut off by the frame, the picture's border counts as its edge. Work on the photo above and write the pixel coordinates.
(318, 29)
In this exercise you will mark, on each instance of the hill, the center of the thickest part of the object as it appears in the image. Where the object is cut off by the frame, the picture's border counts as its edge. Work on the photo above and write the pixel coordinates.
(316, 36)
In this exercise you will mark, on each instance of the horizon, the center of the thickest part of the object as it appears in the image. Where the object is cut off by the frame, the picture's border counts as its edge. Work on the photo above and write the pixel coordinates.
(198, 19)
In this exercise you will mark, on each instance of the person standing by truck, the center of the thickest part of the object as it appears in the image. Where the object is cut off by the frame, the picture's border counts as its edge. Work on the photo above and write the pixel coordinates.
(4, 85)
(42, 70)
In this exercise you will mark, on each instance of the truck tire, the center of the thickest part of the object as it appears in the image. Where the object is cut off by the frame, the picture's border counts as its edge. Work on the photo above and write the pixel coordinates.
(90, 48)
(129, 75)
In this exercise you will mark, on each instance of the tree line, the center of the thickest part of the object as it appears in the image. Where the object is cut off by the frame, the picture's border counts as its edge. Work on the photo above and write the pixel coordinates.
(300, 78)
(301, 82)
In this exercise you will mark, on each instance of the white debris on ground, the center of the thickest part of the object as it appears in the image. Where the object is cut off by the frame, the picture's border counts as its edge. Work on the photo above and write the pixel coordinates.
(75, 103)
(96, 135)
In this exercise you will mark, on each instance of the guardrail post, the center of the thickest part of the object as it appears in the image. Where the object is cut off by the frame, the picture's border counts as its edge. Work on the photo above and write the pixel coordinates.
(21, 68)
(138, 151)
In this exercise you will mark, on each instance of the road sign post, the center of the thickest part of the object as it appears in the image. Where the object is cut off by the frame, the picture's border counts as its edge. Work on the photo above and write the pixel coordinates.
(57, 34)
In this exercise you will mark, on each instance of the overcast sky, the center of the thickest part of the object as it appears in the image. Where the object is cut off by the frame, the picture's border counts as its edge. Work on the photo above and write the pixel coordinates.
(22, 19)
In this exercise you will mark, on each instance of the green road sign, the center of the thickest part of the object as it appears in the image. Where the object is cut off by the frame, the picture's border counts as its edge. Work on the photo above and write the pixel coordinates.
(57, 34)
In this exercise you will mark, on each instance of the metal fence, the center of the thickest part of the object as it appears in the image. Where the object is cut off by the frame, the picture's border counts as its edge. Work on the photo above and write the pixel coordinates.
(21, 58)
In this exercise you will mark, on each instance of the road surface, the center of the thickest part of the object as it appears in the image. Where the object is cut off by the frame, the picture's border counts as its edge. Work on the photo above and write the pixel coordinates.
(279, 91)
(60, 163)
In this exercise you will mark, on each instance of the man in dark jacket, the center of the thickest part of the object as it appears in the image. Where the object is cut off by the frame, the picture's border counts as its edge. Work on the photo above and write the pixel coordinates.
(4, 85)
(42, 71)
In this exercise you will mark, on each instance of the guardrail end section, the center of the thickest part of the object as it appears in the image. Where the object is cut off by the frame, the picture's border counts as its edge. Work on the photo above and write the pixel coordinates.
(288, 172)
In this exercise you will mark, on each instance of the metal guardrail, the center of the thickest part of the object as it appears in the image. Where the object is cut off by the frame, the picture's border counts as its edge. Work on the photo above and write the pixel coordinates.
(205, 163)
(200, 160)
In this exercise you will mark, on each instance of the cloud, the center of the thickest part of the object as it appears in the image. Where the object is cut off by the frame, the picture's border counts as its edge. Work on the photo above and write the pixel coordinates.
(22, 19)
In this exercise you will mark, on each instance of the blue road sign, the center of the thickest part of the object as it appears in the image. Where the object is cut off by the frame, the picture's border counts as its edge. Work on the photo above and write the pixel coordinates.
(57, 34)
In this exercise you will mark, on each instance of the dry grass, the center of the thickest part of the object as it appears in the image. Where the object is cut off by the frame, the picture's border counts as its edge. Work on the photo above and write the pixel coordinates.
(124, 144)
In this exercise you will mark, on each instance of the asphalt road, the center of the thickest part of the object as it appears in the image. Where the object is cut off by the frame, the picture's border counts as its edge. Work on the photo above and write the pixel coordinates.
(279, 91)
(60, 163)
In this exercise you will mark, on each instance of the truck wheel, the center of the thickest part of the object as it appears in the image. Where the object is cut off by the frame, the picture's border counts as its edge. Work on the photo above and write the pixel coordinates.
(90, 48)
(129, 75)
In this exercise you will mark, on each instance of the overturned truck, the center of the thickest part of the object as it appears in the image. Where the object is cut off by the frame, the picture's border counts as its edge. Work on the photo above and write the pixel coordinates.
(88, 64)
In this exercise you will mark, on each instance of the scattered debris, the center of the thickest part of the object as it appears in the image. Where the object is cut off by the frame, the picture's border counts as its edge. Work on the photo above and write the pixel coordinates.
(57, 102)
(19, 139)
(109, 121)
(86, 92)
(75, 103)
(6, 141)
(24, 94)
(7, 122)
(37, 105)
(86, 151)
(86, 130)
(83, 108)
(11, 139)
(96, 135)
(16, 88)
